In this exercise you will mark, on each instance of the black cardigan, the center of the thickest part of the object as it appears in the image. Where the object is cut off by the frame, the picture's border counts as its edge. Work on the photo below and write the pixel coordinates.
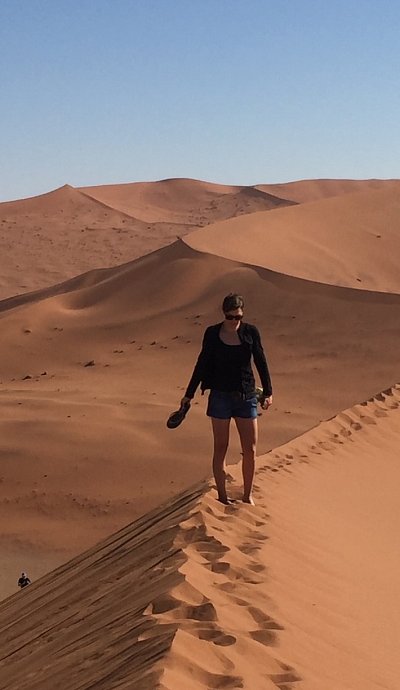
(203, 372)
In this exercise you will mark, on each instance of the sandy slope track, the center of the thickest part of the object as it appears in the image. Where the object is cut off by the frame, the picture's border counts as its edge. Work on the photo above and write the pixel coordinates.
(333, 563)
(286, 594)
(83, 625)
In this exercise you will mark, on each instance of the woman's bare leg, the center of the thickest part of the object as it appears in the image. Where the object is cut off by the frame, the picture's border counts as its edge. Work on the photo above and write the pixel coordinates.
(248, 432)
(221, 440)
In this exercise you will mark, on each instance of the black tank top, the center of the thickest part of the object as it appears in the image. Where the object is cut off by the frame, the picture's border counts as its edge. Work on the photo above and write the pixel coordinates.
(228, 361)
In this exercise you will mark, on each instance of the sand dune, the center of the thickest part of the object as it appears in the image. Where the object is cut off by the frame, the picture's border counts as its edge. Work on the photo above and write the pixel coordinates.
(302, 191)
(55, 236)
(96, 351)
(351, 241)
(191, 202)
(334, 567)
(289, 593)
(47, 239)
(90, 442)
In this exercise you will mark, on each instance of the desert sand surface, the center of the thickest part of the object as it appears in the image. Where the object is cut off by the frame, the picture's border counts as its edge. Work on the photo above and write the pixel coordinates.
(185, 201)
(49, 238)
(298, 591)
(53, 237)
(98, 344)
(351, 240)
(90, 373)
(302, 191)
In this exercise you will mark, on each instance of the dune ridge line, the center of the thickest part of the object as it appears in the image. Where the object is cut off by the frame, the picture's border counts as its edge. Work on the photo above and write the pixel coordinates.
(177, 599)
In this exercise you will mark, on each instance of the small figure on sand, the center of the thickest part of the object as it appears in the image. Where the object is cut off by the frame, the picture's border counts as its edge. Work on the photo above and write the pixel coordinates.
(23, 581)
(224, 367)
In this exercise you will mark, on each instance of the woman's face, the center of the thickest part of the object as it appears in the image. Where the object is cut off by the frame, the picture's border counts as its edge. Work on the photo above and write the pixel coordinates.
(233, 318)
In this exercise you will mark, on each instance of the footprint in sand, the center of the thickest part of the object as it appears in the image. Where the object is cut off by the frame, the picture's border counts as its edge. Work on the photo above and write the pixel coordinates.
(264, 621)
(380, 413)
(203, 612)
(266, 637)
(326, 445)
(280, 679)
(211, 549)
(239, 602)
(216, 636)
(236, 574)
(336, 439)
(258, 536)
(369, 420)
(213, 681)
(249, 549)
(257, 567)
(220, 567)
(164, 603)
(356, 426)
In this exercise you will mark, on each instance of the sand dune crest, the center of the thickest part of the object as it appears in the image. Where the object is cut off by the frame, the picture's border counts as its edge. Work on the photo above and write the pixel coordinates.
(200, 595)
(54, 236)
(302, 191)
(187, 201)
(349, 241)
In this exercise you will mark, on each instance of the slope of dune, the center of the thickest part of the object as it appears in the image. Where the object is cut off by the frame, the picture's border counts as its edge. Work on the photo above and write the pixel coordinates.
(52, 237)
(302, 191)
(298, 591)
(191, 202)
(90, 370)
(49, 238)
(174, 199)
(351, 241)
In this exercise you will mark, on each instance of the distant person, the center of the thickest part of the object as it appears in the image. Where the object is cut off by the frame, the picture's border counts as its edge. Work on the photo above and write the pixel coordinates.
(224, 367)
(23, 581)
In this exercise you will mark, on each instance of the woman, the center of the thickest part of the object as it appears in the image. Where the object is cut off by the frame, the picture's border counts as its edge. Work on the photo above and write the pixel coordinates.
(224, 367)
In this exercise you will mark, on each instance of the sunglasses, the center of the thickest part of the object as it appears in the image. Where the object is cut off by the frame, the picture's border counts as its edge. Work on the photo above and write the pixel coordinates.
(234, 317)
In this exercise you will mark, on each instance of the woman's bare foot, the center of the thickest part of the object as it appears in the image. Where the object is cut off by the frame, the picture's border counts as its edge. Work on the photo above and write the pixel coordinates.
(225, 500)
(248, 499)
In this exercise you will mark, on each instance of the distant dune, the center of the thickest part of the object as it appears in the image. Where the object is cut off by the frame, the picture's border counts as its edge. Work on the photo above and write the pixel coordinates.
(190, 202)
(52, 237)
(302, 191)
(351, 241)
(55, 236)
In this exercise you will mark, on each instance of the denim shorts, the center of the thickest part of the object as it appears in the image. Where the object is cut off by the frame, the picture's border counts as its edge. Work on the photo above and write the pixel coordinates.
(222, 405)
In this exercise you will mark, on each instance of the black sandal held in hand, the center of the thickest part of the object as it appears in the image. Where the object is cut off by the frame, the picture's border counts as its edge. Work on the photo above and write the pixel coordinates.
(177, 417)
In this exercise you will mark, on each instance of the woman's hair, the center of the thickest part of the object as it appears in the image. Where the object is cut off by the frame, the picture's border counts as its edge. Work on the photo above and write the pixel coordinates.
(232, 302)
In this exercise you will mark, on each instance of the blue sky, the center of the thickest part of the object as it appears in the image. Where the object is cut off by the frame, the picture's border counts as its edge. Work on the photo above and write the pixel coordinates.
(231, 91)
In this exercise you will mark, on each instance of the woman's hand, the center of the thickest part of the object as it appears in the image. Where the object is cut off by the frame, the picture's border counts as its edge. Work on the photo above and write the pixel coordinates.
(266, 403)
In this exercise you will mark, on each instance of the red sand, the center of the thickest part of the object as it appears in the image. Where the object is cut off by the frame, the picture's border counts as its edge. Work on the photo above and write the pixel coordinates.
(85, 449)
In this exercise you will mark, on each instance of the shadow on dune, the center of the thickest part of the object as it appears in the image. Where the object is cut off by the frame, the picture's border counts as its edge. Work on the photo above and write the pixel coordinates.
(84, 625)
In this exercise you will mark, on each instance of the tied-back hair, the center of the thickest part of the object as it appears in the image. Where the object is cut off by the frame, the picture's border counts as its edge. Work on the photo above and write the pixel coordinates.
(231, 302)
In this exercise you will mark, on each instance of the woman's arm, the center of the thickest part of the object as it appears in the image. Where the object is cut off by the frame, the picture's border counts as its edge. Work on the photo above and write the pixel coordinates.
(199, 368)
(261, 363)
